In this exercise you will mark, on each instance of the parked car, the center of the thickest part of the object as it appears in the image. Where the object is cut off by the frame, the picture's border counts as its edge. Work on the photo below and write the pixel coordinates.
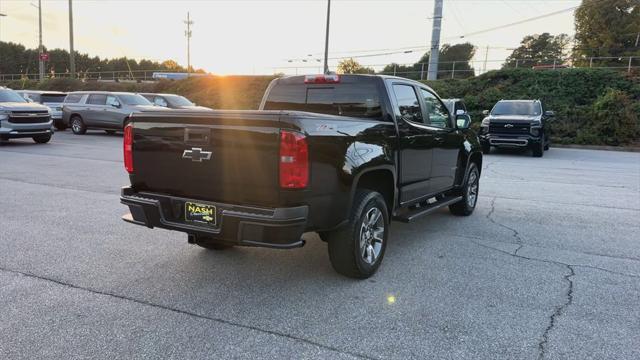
(339, 155)
(22, 119)
(52, 99)
(516, 123)
(173, 101)
(100, 110)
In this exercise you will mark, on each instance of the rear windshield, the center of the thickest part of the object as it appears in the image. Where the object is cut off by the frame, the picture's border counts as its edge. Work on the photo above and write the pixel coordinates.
(134, 99)
(11, 96)
(356, 99)
(177, 100)
(516, 108)
(52, 98)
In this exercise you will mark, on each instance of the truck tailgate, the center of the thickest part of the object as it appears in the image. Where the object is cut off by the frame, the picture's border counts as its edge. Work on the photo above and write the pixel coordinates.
(222, 156)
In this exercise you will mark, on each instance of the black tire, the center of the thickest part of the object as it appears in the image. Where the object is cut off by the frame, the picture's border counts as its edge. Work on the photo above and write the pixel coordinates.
(547, 143)
(42, 139)
(357, 249)
(486, 148)
(77, 125)
(470, 190)
(60, 126)
(538, 150)
(110, 132)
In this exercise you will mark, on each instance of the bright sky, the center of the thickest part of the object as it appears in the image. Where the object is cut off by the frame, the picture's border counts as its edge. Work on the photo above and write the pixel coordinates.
(259, 37)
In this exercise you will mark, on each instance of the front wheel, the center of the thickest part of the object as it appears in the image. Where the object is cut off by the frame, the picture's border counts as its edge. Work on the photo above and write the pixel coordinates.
(357, 249)
(538, 149)
(486, 148)
(42, 139)
(466, 206)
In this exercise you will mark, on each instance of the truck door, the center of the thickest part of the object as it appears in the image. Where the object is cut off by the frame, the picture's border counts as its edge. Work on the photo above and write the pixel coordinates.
(415, 146)
(447, 141)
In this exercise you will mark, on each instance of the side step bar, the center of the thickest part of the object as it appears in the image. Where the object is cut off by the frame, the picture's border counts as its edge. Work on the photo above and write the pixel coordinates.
(409, 214)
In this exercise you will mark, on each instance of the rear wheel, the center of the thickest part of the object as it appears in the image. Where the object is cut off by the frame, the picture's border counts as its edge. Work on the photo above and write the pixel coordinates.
(77, 125)
(466, 206)
(486, 148)
(357, 249)
(42, 139)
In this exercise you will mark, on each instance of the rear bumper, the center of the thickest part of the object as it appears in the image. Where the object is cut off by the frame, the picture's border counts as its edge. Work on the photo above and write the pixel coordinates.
(280, 228)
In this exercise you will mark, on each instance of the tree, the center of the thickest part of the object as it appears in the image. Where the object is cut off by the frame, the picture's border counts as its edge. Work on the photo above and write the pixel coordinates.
(539, 49)
(350, 66)
(460, 54)
(606, 28)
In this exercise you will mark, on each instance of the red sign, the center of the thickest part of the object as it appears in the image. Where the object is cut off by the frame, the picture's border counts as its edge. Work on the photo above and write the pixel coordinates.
(44, 57)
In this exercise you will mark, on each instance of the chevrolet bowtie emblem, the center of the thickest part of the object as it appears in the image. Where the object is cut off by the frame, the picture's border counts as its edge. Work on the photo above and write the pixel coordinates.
(508, 126)
(196, 154)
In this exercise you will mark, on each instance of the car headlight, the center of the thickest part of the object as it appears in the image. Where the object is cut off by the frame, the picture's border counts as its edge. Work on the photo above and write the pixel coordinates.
(535, 123)
(485, 122)
(4, 115)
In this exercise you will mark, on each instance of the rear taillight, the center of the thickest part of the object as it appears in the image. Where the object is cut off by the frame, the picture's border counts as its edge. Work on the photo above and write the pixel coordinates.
(128, 148)
(294, 160)
(322, 79)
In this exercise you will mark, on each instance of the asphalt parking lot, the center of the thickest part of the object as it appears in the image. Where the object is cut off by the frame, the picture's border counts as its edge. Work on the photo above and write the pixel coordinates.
(547, 267)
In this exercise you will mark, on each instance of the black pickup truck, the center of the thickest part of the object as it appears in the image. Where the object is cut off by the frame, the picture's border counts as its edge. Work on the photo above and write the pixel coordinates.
(341, 155)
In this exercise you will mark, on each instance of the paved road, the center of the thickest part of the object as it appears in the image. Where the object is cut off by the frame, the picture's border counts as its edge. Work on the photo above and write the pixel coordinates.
(547, 267)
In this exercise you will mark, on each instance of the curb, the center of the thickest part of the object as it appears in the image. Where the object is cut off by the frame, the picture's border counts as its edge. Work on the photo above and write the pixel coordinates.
(599, 147)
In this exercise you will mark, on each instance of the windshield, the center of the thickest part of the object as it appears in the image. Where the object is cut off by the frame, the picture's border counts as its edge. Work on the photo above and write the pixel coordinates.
(11, 96)
(516, 108)
(52, 98)
(177, 100)
(134, 99)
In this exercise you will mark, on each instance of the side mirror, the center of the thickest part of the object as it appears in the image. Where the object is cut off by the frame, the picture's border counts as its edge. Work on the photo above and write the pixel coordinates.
(459, 112)
(463, 121)
(30, 100)
(549, 113)
(485, 112)
(116, 105)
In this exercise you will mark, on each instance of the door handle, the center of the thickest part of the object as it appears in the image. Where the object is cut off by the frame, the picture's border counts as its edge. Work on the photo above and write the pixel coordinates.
(438, 138)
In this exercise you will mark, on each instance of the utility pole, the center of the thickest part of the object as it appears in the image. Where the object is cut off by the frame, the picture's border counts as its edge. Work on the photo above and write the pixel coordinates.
(72, 59)
(40, 48)
(486, 58)
(187, 33)
(326, 39)
(432, 72)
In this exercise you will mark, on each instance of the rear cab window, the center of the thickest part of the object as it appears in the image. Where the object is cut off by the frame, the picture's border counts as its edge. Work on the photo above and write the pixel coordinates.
(353, 97)
(52, 98)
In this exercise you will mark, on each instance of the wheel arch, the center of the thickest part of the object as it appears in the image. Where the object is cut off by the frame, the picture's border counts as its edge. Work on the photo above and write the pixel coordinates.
(381, 179)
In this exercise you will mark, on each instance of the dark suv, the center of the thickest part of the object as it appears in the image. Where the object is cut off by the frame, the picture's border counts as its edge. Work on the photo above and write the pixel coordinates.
(516, 123)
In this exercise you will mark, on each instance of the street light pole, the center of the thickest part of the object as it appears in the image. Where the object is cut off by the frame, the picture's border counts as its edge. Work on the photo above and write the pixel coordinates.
(326, 39)
(41, 49)
(72, 59)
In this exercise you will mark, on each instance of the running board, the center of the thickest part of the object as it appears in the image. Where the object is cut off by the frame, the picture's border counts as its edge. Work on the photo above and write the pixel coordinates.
(407, 215)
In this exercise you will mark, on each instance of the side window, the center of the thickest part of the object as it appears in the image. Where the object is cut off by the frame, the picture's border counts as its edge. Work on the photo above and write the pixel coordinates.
(112, 100)
(408, 103)
(436, 111)
(72, 98)
(160, 101)
(97, 99)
